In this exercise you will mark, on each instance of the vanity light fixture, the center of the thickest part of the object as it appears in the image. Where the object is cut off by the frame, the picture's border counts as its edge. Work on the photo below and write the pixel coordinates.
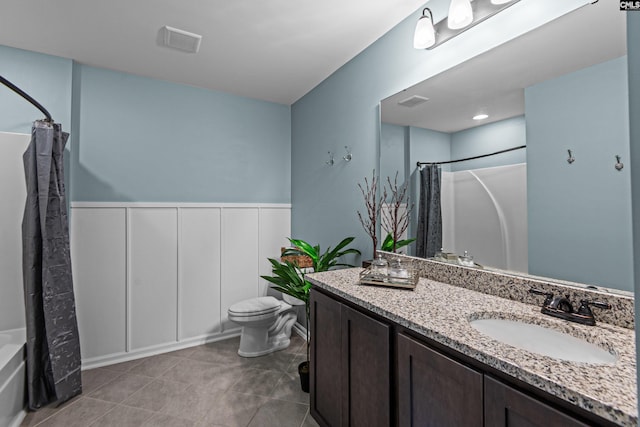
(480, 116)
(425, 35)
(460, 14)
(463, 14)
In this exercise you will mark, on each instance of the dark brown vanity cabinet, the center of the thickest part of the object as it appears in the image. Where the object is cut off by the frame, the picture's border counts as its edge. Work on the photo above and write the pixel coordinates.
(507, 407)
(434, 390)
(367, 372)
(350, 366)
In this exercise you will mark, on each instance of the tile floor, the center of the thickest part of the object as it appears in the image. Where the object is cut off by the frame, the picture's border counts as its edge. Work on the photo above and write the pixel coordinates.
(203, 386)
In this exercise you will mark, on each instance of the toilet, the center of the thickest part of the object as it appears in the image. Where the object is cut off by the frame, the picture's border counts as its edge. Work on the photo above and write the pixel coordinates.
(266, 325)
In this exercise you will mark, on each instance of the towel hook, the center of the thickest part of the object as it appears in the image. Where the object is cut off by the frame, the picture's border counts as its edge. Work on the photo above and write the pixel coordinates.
(571, 159)
(619, 164)
(348, 157)
(330, 162)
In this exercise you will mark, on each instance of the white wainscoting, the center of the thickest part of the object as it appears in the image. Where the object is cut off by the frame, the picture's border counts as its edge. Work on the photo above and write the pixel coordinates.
(155, 277)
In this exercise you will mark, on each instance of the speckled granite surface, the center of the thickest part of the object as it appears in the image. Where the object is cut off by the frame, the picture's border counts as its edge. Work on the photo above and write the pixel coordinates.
(442, 312)
(515, 287)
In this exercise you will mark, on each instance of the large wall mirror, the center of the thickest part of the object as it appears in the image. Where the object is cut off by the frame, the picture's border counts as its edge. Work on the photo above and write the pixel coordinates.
(560, 87)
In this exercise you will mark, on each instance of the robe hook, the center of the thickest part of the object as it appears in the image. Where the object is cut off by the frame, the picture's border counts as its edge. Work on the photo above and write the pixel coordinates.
(348, 157)
(571, 159)
(619, 164)
(330, 162)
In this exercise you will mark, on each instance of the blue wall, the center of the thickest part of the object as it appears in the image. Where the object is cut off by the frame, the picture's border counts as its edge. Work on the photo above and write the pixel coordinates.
(580, 214)
(140, 139)
(148, 140)
(487, 139)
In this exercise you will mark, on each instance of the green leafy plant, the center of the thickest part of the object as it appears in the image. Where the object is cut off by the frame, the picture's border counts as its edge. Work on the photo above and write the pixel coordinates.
(389, 246)
(322, 261)
(289, 279)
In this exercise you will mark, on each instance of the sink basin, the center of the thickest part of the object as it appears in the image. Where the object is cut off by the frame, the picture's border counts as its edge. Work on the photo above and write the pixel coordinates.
(543, 341)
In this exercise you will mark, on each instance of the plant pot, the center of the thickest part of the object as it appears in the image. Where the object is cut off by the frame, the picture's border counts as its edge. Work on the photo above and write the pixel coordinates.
(303, 371)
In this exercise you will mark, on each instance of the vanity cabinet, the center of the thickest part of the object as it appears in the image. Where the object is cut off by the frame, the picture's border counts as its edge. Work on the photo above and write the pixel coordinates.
(375, 373)
(350, 366)
(434, 390)
(507, 407)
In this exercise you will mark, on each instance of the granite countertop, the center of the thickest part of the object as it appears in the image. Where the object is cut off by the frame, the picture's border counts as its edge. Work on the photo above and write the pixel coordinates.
(442, 312)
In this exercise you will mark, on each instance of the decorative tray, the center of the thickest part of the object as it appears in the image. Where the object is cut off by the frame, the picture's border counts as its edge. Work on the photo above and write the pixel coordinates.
(368, 278)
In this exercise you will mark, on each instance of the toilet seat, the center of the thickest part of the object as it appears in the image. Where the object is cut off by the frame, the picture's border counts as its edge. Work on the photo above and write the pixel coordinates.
(254, 308)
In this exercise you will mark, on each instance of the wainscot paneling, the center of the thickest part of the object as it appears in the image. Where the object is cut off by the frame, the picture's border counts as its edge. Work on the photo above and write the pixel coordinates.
(156, 277)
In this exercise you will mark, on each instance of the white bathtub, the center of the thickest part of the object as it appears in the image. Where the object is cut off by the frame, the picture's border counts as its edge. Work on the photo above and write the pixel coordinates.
(12, 377)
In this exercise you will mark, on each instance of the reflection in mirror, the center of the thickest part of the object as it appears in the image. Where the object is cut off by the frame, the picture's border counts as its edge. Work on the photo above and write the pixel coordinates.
(560, 87)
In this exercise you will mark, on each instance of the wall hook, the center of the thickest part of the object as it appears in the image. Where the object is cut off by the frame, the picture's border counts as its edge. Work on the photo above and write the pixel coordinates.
(571, 159)
(619, 164)
(348, 157)
(330, 162)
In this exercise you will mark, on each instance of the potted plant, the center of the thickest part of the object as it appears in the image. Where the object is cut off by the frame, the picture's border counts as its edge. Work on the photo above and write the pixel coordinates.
(289, 279)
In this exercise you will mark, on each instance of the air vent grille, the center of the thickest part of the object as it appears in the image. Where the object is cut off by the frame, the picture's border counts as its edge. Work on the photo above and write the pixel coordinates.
(181, 40)
(412, 101)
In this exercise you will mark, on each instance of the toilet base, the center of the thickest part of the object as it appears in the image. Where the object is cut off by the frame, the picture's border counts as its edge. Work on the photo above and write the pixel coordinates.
(256, 342)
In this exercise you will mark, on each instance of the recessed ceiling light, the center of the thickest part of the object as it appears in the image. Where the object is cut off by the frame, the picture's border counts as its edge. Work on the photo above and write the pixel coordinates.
(480, 117)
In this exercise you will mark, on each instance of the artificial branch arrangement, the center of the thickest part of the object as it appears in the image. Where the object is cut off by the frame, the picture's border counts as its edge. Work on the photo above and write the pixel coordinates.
(373, 205)
(395, 218)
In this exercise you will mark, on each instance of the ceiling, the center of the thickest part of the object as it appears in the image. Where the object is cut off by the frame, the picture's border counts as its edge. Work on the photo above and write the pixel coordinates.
(494, 82)
(276, 50)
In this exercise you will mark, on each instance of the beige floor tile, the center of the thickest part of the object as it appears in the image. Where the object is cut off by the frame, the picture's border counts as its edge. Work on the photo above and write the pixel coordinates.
(190, 405)
(222, 381)
(123, 416)
(162, 420)
(155, 395)
(34, 418)
(80, 413)
(279, 413)
(121, 388)
(96, 378)
(233, 410)
(155, 366)
(193, 372)
(124, 366)
(257, 381)
(288, 388)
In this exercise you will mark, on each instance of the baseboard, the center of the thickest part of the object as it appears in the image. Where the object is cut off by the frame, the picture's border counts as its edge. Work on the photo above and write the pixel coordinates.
(300, 330)
(111, 359)
(17, 420)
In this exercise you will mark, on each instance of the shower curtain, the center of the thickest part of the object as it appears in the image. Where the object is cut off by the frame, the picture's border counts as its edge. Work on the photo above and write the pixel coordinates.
(53, 344)
(429, 236)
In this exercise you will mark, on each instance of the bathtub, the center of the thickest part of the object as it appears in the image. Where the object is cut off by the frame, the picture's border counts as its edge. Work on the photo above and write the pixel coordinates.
(12, 377)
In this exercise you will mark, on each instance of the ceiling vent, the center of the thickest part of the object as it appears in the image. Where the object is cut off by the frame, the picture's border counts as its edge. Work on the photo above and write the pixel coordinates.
(181, 40)
(412, 101)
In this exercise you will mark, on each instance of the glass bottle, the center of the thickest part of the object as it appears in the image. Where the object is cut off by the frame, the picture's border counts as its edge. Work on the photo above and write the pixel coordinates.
(379, 266)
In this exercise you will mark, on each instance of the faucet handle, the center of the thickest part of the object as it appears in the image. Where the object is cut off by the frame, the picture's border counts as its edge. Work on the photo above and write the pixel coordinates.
(548, 295)
(584, 304)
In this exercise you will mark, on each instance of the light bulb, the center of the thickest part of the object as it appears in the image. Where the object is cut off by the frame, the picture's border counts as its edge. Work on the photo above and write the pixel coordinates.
(425, 35)
(500, 1)
(460, 14)
(480, 117)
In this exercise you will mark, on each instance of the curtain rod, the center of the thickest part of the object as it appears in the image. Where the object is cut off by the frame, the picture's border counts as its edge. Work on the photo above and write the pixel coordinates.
(26, 96)
(472, 158)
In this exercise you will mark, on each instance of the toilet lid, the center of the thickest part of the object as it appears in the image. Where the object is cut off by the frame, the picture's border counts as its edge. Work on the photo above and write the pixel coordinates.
(255, 306)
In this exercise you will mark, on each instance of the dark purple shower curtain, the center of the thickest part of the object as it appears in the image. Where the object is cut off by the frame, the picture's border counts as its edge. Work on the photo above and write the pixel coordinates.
(53, 344)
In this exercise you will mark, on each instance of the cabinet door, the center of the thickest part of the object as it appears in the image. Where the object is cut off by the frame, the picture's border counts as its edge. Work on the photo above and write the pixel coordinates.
(365, 370)
(505, 406)
(326, 360)
(434, 390)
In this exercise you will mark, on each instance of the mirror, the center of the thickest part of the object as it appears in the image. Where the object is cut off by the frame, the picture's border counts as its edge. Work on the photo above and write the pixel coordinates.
(560, 87)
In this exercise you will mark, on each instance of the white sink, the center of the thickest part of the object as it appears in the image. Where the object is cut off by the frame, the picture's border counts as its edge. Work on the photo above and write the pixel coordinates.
(544, 341)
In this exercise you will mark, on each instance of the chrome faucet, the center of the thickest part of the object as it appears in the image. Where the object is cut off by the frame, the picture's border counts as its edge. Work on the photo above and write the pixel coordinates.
(560, 307)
